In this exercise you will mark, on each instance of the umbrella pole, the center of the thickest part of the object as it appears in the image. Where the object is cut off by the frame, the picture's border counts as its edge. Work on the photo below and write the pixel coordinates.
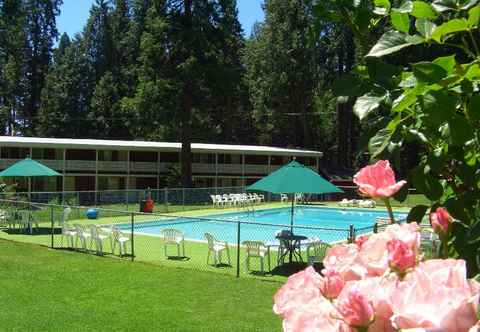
(29, 189)
(291, 215)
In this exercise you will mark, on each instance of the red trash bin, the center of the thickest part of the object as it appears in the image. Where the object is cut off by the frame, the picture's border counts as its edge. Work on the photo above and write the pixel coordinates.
(148, 205)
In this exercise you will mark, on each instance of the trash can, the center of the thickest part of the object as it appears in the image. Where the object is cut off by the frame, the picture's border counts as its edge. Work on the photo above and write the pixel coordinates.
(146, 205)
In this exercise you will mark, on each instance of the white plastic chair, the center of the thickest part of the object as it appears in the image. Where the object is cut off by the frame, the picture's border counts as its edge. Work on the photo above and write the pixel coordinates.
(64, 216)
(173, 237)
(216, 247)
(215, 203)
(256, 249)
(121, 239)
(69, 233)
(283, 198)
(27, 220)
(97, 237)
(83, 236)
(316, 252)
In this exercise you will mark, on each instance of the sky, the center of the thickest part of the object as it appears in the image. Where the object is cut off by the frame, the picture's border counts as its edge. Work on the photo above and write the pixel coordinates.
(74, 15)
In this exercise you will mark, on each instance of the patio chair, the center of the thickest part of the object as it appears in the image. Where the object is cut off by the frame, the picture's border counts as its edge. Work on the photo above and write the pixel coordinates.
(69, 233)
(316, 252)
(215, 202)
(108, 231)
(344, 203)
(366, 203)
(122, 240)
(97, 237)
(283, 198)
(220, 200)
(83, 236)
(216, 247)
(227, 200)
(256, 249)
(64, 216)
(173, 237)
(27, 220)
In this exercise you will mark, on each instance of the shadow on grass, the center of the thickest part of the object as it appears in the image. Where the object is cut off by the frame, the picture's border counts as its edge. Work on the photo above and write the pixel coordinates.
(178, 258)
(288, 269)
(35, 231)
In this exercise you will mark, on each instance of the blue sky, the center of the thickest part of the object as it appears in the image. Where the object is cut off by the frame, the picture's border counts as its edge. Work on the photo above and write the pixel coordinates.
(74, 15)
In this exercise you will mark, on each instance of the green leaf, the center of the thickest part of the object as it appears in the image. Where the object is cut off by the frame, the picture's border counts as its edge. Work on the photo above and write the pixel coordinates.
(422, 9)
(348, 85)
(473, 109)
(427, 184)
(474, 16)
(447, 62)
(460, 130)
(382, 7)
(400, 21)
(428, 72)
(406, 7)
(439, 107)
(455, 25)
(379, 142)
(425, 27)
(390, 42)
(469, 4)
(404, 101)
(366, 104)
(402, 194)
(417, 213)
(444, 5)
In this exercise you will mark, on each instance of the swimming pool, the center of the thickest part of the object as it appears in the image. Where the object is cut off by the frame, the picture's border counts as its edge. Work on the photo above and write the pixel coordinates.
(331, 224)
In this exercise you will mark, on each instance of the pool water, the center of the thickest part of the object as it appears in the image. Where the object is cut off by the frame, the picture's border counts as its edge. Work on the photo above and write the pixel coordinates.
(330, 224)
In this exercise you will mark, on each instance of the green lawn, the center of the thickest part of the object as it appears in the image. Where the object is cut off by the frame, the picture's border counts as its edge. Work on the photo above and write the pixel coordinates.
(56, 290)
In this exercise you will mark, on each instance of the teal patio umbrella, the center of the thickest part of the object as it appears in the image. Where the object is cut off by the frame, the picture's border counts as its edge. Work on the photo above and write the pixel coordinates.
(294, 178)
(28, 168)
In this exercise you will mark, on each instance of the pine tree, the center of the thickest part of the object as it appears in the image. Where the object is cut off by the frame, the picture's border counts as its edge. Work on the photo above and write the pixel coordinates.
(283, 74)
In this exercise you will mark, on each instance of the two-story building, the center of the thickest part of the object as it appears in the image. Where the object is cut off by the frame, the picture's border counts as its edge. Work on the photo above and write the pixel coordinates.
(89, 164)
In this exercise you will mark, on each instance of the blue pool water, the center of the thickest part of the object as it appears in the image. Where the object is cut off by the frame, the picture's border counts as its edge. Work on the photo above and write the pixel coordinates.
(331, 224)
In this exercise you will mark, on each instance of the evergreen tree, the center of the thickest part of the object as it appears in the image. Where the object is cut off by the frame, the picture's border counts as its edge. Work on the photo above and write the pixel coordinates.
(282, 74)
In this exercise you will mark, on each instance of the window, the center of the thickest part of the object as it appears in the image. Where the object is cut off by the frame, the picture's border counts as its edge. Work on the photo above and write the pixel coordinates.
(256, 160)
(204, 158)
(81, 155)
(169, 157)
(145, 156)
(109, 155)
(15, 153)
(47, 154)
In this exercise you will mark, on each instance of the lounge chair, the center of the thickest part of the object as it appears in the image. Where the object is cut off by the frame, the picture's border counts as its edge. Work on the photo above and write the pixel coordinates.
(216, 247)
(256, 249)
(122, 240)
(64, 216)
(367, 203)
(173, 237)
(283, 198)
(344, 203)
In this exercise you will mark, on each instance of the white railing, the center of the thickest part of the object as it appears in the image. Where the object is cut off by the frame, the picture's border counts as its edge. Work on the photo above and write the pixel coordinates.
(203, 168)
(256, 169)
(80, 165)
(112, 166)
(143, 166)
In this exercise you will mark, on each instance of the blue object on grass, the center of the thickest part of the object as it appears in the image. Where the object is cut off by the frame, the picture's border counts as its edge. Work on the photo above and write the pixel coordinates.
(92, 213)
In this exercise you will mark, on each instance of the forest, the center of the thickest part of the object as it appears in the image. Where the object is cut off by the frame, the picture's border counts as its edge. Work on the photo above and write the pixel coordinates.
(178, 70)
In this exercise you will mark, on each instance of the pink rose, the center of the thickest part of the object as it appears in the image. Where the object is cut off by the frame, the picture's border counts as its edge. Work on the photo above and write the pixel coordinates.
(432, 302)
(441, 221)
(355, 309)
(360, 240)
(378, 180)
(332, 284)
(408, 233)
(400, 257)
(299, 289)
(343, 259)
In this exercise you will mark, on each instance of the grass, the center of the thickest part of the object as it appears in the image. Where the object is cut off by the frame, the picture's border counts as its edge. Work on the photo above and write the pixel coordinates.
(56, 290)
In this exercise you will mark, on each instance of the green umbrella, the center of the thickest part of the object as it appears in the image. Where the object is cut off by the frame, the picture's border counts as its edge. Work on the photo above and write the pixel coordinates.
(28, 168)
(294, 178)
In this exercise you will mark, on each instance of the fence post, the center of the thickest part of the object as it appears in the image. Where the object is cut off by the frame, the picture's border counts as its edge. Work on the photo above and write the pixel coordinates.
(238, 249)
(183, 199)
(351, 234)
(375, 228)
(52, 224)
(132, 227)
(166, 199)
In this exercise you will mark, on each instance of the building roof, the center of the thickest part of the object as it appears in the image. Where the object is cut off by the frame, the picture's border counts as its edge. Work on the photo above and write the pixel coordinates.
(69, 143)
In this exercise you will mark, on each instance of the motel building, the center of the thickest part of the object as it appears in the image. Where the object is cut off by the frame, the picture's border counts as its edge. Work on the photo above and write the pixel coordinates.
(90, 164)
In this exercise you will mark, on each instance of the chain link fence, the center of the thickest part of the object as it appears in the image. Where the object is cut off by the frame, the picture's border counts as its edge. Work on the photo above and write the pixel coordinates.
(232, 243)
